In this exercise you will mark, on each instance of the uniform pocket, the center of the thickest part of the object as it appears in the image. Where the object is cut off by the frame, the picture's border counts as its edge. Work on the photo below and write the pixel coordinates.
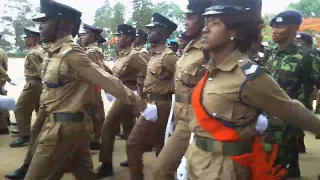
(27, 86)
(51, 133)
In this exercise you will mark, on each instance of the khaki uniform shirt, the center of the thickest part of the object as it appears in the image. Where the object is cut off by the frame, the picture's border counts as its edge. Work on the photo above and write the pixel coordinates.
(128, 66)
(143, 52)
(160, 71)
(221, 98)
(33, 61)
(142, 75)
(187, 76)
(66, 63)
(3, 67)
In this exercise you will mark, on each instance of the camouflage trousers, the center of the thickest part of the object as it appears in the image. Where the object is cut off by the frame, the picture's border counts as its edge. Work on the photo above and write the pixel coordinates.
(288, 152)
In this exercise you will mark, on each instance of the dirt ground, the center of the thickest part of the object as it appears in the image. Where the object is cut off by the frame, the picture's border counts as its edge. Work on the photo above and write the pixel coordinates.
(12, 158)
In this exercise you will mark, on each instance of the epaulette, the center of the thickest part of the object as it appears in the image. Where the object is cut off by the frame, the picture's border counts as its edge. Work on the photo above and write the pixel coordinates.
(251, 70)
(72, 47)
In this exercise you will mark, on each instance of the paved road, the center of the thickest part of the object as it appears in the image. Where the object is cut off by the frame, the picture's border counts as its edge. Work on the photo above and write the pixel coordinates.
(10, 158)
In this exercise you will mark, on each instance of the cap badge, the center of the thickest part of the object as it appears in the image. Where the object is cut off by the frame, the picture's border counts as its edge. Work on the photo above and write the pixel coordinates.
(279, 19)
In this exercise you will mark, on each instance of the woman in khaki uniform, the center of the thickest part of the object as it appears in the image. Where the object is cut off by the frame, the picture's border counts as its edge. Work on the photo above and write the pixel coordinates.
(230, 97)
(188, 72)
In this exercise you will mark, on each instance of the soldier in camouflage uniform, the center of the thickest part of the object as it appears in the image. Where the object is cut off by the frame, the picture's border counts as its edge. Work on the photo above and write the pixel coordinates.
(290, 65)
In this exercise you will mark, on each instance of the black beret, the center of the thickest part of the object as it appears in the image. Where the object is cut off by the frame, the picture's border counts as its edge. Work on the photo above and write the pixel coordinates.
(141, 33)
(93, 29)
(50, 9)
(173, 43)
(198, 6)
(160, 21)
(232, 6)
(305, 36)
(126, 29)
(290, 17)
(31, 32)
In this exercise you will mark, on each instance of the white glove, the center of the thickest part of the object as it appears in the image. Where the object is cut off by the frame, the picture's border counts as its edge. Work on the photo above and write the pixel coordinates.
(150, 113)
(182, 172)
(13, 83)
(262, 123)
(136, 93)
(7, 102)
(110, 97)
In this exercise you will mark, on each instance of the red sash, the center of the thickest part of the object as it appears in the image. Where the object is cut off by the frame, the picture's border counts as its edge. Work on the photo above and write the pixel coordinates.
(260, 163)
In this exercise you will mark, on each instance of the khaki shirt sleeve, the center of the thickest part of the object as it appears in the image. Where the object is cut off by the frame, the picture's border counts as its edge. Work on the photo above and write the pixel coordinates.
(106, 68)
(4, 66)
(95, 57)
(139, 63)
(36, 61)
(169, 62)
(90, 71)
(145, 55)
(265, 94)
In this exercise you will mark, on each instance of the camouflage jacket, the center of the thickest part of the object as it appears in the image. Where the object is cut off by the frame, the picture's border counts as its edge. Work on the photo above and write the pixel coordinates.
(316, 67)
(292, 69)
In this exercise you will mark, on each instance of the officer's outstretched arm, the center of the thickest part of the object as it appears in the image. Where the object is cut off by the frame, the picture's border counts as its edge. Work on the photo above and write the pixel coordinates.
(90, 71)
(265, 94)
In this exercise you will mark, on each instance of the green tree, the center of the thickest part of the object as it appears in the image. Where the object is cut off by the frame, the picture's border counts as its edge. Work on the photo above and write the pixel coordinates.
(103, 16)
(173, 12)
(118, 16)
(18, 14)
(142, 13)
(308, 8)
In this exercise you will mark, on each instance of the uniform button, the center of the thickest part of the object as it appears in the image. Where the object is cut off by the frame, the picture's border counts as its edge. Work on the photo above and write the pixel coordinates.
(240, 61)
(210, 79)
(186, 54)
(185, 71)
(43, 90)
(42, 82)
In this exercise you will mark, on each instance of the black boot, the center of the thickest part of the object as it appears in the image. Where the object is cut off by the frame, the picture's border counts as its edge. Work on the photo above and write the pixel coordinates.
(124, 164)
(293, 173)
(105, 170)
(301, 145)
(20, 142)
(8, 121)
(18, 174)
(95, 146)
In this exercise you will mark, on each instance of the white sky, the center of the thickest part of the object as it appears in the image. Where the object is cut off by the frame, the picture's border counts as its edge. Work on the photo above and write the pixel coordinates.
(88, 7)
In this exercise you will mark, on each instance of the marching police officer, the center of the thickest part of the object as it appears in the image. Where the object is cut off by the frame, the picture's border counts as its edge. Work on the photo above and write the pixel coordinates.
(4, 77)
(90, 41)
(158, 88)
(68, 78)
(127, 68)
(188, 72)
(30, 96)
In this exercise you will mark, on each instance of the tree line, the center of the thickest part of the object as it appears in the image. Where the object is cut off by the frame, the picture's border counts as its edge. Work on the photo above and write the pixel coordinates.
(17, 14)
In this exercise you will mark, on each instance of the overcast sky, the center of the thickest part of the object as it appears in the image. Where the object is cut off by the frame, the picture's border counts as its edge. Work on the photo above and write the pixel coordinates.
(88, 7)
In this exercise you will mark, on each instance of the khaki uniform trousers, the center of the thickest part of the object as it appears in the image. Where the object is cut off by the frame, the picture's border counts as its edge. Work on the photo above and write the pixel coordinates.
(62, 145)
(3, 113)
(118, 113)
(145, 134)
(34, 134)
(98, 118)
(28, 101)
(170, 157)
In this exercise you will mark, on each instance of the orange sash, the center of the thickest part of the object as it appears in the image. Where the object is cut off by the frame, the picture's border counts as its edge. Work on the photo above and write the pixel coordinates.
(260, 163)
